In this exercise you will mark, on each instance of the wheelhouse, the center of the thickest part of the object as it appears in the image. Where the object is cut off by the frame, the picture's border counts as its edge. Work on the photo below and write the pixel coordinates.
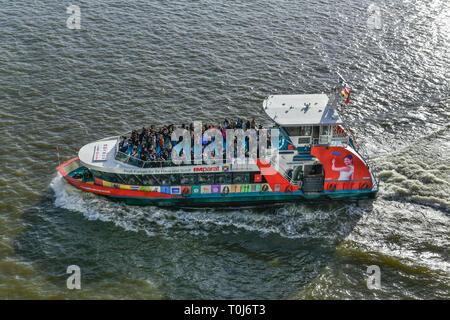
(310, 119)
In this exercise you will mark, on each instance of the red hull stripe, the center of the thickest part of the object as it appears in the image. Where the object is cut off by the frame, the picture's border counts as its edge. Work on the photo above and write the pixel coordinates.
(109, 191)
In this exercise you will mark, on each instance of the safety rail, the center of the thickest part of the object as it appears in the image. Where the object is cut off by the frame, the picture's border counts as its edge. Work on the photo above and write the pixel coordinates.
(134, 161)
(237, 164)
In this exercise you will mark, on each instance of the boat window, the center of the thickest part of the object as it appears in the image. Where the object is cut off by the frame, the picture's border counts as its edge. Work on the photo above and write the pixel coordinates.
(165, 179)
(110, 177)
(174, 179)
(118, 178)
(206, 178)
(292, 131)
(316, 131)
(223, 178)
(148, 180)
(305, 131)
(97, 174)
(188, 179)
(133, 180)
(162, 179)
(241, 178)
(324, 130)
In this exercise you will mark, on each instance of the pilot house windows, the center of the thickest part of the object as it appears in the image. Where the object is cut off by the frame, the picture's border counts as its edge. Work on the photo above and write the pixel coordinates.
(305, 131)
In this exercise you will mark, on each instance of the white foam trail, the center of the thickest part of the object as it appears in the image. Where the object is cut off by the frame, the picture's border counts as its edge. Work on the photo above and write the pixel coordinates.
(294, 221)
(419, 173)
(407, 232)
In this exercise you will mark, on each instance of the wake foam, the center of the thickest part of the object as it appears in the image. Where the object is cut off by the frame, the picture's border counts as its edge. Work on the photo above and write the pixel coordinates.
(419, 173)
(328, 222)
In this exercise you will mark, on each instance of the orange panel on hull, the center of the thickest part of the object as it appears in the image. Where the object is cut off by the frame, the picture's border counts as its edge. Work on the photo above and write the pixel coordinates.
(343, 169)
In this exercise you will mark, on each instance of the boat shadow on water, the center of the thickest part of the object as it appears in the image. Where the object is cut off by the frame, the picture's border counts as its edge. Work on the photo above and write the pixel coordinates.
(269, 252)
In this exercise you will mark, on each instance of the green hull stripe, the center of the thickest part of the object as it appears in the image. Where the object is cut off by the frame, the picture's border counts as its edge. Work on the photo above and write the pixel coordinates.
(246, 197)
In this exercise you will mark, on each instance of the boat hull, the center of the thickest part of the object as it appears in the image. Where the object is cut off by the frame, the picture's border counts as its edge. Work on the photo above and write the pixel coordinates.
(135, 197)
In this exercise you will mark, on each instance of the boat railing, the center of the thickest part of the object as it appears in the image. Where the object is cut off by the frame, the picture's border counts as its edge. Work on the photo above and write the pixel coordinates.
(344, 140)
(134, 161)
(330, 140)
(237, 164)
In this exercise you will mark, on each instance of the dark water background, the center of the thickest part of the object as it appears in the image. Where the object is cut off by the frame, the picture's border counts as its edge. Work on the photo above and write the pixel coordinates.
(135, 63)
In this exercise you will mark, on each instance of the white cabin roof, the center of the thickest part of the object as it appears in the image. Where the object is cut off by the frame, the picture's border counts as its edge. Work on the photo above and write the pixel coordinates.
(100, 154)
(301, 110)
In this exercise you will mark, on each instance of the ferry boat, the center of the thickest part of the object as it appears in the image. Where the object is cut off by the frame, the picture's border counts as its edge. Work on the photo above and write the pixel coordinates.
(310, 155)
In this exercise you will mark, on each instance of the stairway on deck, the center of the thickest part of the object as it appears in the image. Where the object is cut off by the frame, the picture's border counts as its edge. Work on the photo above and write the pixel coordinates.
(303, 154)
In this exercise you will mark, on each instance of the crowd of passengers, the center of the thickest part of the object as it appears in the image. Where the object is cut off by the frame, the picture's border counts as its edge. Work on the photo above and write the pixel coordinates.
(155, 145)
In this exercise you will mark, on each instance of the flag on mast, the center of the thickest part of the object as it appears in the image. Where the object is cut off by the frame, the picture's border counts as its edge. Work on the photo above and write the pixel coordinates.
(346, 93)
(345, 88)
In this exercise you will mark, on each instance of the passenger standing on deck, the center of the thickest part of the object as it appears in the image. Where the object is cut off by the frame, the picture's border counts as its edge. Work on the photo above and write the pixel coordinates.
(124, 147)
(134, 151)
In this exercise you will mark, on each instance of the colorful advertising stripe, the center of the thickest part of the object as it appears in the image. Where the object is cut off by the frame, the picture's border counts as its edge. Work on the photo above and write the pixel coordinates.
(225, 189)
(186, 190)
(206, 189)
(215, 188)
(175, 190)
(196, 189)
(255, 187)
(165, 189)
(235, 188)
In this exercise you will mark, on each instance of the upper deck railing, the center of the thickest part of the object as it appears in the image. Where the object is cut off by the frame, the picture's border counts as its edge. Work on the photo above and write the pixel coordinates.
(245, 163)
(336, 139)
(134, 161)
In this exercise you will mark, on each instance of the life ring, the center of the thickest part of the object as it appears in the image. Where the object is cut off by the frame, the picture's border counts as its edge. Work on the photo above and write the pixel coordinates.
(225, 191)
(332, 187)
(265, 188)
(288, 189)
(186, 192)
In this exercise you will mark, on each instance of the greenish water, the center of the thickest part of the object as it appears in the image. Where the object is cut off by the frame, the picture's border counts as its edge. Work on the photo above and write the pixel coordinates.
(134, 63)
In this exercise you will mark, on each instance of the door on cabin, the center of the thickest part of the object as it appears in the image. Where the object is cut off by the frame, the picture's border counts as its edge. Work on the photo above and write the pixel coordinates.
(313, 178)
(316, 134)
